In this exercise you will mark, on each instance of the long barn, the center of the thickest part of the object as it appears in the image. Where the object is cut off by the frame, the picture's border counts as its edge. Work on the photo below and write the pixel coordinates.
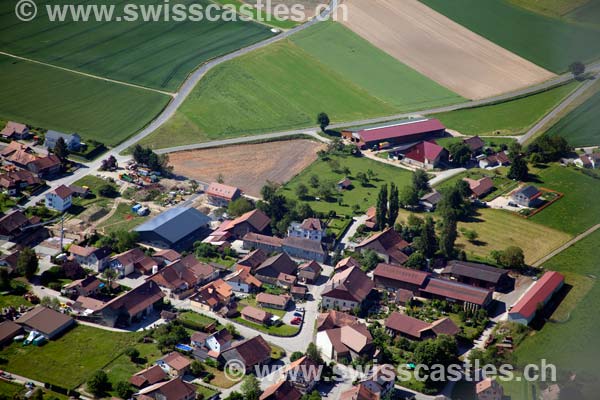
(404, 132)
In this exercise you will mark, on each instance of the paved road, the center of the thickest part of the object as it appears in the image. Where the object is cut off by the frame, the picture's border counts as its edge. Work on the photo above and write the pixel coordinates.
(565, 246)
(447, 174)
(556, 111)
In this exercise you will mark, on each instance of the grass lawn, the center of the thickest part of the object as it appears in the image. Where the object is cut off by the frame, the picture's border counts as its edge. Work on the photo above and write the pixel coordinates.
(122, 367)
(264, 17)
(282, 330)
(583, 11)
(51, 98)
(11, 300)
(155, 54)
(574, 213)
(524, 32)
(122, 219)
(279, 87)
(494, 143)
(71, 359)
(581, 126)
(195, 318)
(11, 390)
(371, 68)
(206, 392)
(94, 184)
(509, 118)
(502, 184)
(252, 302)
(573, 343)
(220, 380)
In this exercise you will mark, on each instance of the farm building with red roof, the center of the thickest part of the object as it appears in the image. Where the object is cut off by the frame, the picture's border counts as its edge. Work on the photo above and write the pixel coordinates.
(537, 296)
(403, 132)
(427, 155)
(469, 297)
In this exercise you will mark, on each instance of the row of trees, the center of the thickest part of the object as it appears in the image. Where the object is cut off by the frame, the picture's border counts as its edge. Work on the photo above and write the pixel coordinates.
(387, 209)
(147, 157)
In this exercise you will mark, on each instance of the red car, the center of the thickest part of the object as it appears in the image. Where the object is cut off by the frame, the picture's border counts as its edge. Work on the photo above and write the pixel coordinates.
(296, 321)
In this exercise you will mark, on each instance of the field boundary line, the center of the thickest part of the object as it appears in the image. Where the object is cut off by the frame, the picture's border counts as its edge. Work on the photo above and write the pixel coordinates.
(566, 245)
(170, 94)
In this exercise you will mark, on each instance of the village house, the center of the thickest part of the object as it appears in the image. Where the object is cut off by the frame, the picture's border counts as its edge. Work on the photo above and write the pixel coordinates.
(371, 220)
(45, 167)
(480, 187)
(256, 315)
(310, 228)
(15, 131)
(470, 297)
(286, 281)
(133, 260)
(177, 228)
(476, 145)
(14, 147)
(279, 302)
(476, 274)
(181, 277)
(242, 280)
(303, 374)
(526, 196)
(220, 195)
(14, 182)
(253, 259)
(166, 256)
(344, 184)
(14, 225)
(210, 345)
(309, 272)
(346, 344)
(254, 221)
(404, 297)
(87, 286)
(131, 306)
(536, 297)
(148, 376)
(499, 159)
(282, 390)
(299, 293)
(47, 322)
(403, 132)
(415, 329)
(588, 161)
(430, 201)
(251, 352)
(304, 249)
(489, 389)
(59, 199)
(334, 319)
(426, 155)
(174, 364)
(388, 245)
(346, 263)
(269, 270)
(175, 389)
(346, 290)
(392, 277)
(90, 257)
(215, 296)
(73, 140)
(8, 330)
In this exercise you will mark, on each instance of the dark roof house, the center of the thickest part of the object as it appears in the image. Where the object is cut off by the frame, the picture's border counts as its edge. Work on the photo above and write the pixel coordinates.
(177, 228)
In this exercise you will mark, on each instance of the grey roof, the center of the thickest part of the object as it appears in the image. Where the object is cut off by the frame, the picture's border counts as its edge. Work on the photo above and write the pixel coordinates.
(55, 135)
(528, 191)
(434, 197)
(176, 223)
(381, 125)
(481, 272)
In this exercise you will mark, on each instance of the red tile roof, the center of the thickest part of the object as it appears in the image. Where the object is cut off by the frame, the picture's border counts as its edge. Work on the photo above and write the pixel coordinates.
(312, 224)
(481, 186)
(63, 192)
(457, 291)
(424, 151)
(350, 284)
(13, 127)
(256, 314)
(538, 294)
(258, 219)
(406, 128)
(223, 191)
(404, 324)
(401, 274)
(282, 390)
(334, 319)
(278, 300)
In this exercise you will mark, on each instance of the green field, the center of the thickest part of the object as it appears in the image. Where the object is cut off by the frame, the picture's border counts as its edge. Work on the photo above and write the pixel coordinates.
(575, 212)
(284, 86)
(508, 118)
(573, 343)
(122, 220)
(549, 42)
(579, 11)
(502, 184)
(157, 54)
(365, 65)
(280, 87)
(589, 13)
(362, 196)
(493, 142)
(51, 98)
(581, 127)
(71, 359)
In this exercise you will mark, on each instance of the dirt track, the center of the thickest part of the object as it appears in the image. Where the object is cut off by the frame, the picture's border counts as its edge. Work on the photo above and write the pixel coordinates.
(441, 49)
(247, 166)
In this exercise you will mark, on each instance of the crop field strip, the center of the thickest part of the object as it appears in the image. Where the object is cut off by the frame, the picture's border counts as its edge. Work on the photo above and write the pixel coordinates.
(154, 54)
(581, 126)
(285, 85)
(52, 98)
(551, 43)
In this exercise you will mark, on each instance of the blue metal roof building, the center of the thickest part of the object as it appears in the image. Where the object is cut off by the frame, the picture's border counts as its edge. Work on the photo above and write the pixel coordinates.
(177, 228)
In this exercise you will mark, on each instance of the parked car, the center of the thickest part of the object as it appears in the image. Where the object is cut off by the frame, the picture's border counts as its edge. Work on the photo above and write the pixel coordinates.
(296, 321)
(298, 314)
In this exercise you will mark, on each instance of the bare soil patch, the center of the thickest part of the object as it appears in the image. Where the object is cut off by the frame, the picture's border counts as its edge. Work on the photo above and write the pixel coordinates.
(247, 166)
(441, 49)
